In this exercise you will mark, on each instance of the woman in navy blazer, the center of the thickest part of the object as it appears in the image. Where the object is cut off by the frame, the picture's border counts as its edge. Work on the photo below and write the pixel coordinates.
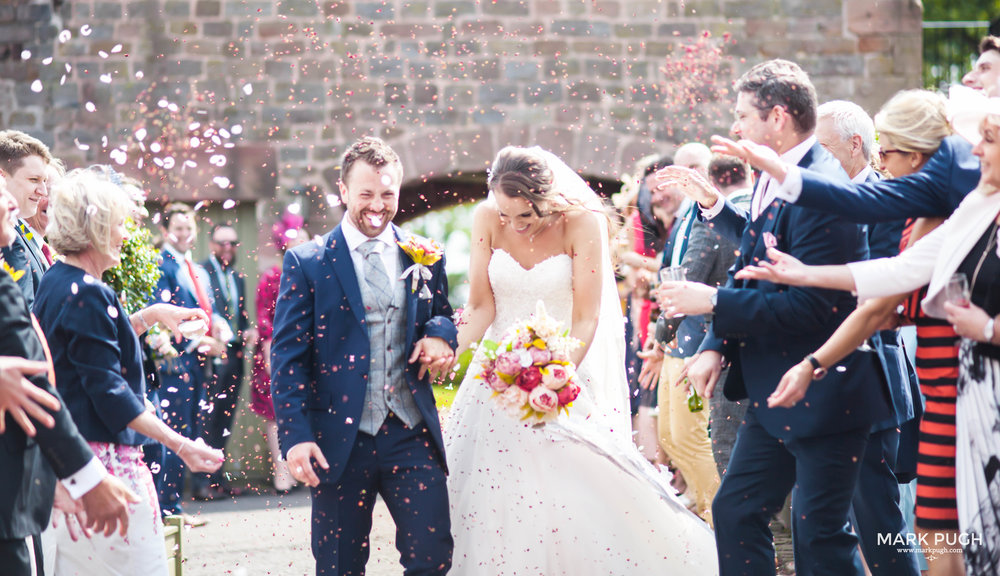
(98, 365)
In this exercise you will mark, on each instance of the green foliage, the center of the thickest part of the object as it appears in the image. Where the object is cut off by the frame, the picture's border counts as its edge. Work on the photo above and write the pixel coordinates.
(951, 52)
(135, 278)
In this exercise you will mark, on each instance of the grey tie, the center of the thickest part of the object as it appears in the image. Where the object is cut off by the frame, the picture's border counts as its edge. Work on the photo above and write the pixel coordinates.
(375, 274)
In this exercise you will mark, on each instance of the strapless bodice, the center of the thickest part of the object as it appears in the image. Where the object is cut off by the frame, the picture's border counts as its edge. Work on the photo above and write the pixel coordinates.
(516, 290)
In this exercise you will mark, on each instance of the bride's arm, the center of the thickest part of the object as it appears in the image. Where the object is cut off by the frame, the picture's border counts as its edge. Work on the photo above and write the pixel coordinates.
(584, 234)
(480, 310)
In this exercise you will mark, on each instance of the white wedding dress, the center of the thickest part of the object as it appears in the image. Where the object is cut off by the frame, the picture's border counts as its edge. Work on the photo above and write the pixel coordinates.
(573, 497)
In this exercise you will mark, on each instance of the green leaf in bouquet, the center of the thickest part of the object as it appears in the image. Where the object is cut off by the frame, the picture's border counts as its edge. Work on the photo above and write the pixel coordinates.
(488, 345)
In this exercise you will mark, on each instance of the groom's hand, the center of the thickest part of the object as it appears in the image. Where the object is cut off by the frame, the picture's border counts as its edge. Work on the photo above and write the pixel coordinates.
(435, 356)
(300, 464)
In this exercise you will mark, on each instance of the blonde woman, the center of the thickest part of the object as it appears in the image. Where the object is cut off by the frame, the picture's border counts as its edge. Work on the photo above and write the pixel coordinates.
(98, 366)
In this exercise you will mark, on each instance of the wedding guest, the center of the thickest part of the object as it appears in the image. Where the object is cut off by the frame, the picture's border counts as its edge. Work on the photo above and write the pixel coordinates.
(960, 263)
(929, 170)
(95, 351)
(732, 177)
(23, 162)
(985, 74)
(29, 468)
(643, 263)
(37, 224)
(847, 132)
(182, 386)
(229, 297)
(286, 234)
(759, 327)
(682, 433)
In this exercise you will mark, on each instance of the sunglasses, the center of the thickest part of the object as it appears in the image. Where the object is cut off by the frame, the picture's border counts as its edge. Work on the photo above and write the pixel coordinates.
(883, 153)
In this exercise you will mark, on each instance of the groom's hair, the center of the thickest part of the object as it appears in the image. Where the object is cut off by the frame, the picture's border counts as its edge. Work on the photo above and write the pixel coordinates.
(372, 151)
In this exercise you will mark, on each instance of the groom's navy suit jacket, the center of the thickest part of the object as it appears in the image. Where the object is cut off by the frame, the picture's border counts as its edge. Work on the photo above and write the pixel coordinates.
(320, 349)
(764, 329)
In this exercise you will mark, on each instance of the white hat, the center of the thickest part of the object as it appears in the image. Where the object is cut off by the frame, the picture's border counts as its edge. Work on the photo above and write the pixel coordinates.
(967, 108)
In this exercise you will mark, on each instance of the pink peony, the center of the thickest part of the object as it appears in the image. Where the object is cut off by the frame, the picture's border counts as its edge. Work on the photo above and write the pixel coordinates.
(560, 357)
(556, 376)
(508, 363)
(543, 400)
(513, 398)
(530, 378)
(568, 393)
(494, 381)
(539, 357)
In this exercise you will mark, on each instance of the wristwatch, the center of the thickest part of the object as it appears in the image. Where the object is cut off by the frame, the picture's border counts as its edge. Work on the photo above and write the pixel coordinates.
(988, 330)
(819, 372)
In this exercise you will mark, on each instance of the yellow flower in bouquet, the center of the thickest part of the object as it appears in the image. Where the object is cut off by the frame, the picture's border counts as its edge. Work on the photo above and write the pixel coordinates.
(425, 253)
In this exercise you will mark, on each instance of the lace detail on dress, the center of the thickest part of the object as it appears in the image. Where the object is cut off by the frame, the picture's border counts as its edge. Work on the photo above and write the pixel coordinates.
(517, 289)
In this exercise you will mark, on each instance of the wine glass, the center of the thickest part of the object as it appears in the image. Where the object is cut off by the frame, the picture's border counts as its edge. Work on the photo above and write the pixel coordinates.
(956, 291)
(673, 274)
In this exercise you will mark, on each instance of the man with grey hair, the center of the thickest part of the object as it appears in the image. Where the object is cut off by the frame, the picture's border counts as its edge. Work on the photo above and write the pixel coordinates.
(847, 132)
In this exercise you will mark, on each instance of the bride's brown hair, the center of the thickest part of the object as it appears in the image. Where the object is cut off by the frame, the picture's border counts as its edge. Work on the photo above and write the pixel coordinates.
(518, 173)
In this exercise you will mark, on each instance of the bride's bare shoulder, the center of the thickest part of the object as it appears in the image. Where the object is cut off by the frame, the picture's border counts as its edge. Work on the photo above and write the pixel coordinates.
(486, 214)
(584, 223)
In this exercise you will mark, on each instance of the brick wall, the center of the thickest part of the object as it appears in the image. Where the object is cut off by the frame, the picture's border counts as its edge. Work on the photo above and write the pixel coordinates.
(446, 82)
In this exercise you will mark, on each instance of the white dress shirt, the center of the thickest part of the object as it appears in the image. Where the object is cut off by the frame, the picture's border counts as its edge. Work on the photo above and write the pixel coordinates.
(766, 192)
(389, 253)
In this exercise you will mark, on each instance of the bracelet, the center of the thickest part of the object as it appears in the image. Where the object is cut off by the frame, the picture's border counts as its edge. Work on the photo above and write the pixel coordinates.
(989, 330)
(183, 444)
(142, 319)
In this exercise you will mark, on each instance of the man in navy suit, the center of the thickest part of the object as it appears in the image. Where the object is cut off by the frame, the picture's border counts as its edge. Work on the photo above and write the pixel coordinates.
(23, 161)
(352, 346)
(182, 379)
(813, 450)
(847, 132)
(228, 293)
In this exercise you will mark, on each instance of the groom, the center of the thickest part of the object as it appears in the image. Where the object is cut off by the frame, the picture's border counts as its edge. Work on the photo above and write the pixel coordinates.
(353, 345)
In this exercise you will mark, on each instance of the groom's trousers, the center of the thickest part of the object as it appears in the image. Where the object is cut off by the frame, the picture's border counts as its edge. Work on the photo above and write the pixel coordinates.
(823, 470)
(400, 464)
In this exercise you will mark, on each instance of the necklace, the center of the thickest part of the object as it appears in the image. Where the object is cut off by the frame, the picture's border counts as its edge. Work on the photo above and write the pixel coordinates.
(991, 239)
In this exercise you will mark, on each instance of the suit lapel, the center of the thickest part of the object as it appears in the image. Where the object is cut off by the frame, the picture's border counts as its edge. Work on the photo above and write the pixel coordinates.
(411, 295)
(36, 260)
(338, 254)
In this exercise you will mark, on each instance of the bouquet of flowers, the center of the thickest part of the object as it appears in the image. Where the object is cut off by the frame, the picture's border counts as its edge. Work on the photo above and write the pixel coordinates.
(529, 370)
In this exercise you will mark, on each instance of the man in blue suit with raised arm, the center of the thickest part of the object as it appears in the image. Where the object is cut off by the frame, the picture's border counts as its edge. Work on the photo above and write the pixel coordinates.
(353, 345)
(812, 450)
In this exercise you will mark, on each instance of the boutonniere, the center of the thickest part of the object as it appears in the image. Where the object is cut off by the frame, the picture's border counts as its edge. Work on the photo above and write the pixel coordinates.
(26, 231)
(425, 253)
(769, 240)
(15, 274)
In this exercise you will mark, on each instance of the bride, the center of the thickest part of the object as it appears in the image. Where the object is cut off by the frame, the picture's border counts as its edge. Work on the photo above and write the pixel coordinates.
(573, 496)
